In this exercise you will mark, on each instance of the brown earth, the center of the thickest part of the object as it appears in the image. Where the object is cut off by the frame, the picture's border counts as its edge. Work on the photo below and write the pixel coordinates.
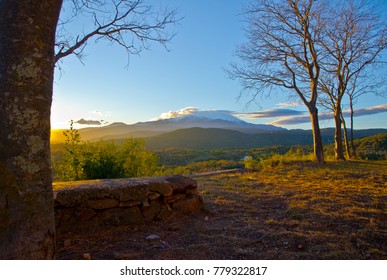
(292, 211)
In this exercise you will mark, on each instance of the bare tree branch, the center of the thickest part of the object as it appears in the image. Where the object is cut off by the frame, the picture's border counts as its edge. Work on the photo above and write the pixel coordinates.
(353, 39)
(281, 52)
(131, 24)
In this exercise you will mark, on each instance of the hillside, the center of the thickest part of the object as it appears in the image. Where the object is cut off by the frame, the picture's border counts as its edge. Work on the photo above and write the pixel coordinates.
(203, 119)
(210, 138)
(373, 147)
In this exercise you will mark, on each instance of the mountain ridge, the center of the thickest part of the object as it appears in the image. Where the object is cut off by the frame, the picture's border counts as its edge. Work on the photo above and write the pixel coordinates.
(210, 139)
(119, 130)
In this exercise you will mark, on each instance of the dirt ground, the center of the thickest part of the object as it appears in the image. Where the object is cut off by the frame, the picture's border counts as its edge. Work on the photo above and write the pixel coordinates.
(287, 212)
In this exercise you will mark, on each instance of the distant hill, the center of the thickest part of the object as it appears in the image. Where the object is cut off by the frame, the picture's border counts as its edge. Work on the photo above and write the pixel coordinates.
(157, 127)
(372, 147)
(210, 138)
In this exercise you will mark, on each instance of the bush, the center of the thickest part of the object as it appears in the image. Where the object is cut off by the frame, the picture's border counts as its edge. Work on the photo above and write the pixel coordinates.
(102, 159)
(250, 163)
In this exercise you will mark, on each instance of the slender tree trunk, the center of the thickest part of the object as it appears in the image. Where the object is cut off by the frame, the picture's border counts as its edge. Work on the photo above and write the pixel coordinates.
(353, 147)
(27, 39)
(339, 153)
(346, 141)
(317, 140)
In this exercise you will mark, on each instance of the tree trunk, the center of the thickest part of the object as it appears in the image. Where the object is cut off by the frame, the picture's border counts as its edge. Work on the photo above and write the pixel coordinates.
(317, 141)
(353, 147)
(27, 39)
(339, 152)
(346, 141)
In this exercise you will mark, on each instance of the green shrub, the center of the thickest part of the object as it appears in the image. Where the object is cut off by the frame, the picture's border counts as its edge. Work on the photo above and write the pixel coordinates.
(250, 163)
(102, 159)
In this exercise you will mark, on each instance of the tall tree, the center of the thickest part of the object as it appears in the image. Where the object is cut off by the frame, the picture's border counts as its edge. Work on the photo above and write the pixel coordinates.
(353, 36)
(27, 61)
(281, 52)
(27, 39)
(363, 83)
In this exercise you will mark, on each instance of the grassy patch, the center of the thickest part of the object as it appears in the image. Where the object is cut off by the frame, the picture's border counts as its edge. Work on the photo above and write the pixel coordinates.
(334, 211)
(290, 211)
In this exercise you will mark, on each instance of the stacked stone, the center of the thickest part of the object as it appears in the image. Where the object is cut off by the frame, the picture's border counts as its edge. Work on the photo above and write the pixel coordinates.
(88, 206)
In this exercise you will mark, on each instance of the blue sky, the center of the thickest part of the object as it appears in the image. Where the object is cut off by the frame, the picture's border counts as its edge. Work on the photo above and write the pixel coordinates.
(191, 74)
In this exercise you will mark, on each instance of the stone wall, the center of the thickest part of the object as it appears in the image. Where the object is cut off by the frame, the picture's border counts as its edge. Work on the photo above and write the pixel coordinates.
(87, 206)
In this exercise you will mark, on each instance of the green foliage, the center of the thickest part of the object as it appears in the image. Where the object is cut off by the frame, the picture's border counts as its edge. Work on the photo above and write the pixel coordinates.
(77, 160)
(69, 166)
(136, 160)
(294, 154)
(102, 159)
(373, 147)
(199, 167)
(250, 163)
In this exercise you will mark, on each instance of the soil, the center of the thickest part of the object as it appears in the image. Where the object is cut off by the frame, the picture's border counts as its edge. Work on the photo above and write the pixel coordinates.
(278, 213)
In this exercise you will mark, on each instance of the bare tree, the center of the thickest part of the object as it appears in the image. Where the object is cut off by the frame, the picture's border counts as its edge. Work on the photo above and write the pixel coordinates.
(27, 61)
(353, 37)
(363, 83)
(281, 52)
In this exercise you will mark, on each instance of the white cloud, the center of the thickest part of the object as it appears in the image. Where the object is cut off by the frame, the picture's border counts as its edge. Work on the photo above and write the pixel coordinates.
(205, 114)
(288, 104)
(179, 113)
(284, 117)
(369, 111)
(295, 120)
(274, 113)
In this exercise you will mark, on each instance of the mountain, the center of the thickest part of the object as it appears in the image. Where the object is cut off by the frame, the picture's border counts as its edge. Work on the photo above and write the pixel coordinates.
(210, 138)
(202, 119)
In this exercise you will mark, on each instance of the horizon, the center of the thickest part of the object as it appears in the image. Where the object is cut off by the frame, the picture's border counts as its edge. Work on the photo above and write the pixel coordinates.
(107, 85)
(82, 123)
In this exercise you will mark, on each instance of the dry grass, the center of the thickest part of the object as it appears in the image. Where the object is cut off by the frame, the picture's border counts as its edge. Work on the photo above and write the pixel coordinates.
(291, 211)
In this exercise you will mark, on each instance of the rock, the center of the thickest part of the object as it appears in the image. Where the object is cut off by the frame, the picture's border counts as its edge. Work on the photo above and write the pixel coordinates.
(120, 216)
(79, 192)
(89, 206)
(163, 188)
(180, 183)
(192, 191)
(175, 197)
(85, 214)
(129, 203)
(188, 205)
(104, 203)
(153, 195)
(151, 211)
(152, 237)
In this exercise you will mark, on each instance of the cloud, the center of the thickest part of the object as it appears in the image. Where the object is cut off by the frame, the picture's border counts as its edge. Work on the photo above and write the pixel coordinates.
(193, 111)
(274, 113)
(284, 117)
(291, 120)
(179, 113)
(294, 120)
(368, 111)
(89, 122)
(288, 104)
